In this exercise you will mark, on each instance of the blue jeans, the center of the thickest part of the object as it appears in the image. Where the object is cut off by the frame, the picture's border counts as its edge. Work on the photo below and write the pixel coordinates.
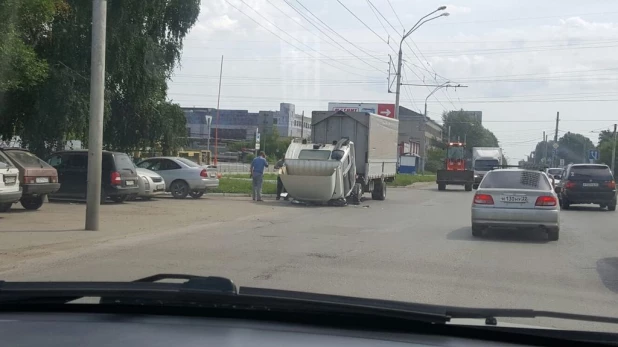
(256, 192)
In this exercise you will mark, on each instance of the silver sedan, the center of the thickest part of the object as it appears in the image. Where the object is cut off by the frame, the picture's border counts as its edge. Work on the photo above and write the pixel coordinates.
(182, 176)
(150, 184)
(516, 198)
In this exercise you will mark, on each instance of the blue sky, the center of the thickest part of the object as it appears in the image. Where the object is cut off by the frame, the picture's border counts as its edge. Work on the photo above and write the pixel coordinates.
(522, 60)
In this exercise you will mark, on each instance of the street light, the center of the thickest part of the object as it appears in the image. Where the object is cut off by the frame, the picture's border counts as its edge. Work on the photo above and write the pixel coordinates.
(400, 57)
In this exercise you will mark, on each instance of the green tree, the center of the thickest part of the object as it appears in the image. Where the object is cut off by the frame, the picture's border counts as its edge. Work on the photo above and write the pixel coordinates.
(144, 41)
(467, 128)
(574, 148)
(435, 159)
(606, 146)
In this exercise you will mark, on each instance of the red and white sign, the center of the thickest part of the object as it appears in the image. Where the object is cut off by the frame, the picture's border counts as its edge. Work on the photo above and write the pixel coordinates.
(386, 110)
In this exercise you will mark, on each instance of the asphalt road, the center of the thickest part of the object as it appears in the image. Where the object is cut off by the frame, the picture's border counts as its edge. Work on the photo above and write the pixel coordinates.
(415, 246)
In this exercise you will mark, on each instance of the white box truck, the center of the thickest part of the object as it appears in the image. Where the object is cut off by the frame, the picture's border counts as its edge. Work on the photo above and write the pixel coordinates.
(485, 159)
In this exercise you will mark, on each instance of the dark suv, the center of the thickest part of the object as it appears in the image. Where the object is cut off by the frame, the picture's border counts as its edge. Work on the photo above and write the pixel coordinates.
(588, 184)
(118, 176)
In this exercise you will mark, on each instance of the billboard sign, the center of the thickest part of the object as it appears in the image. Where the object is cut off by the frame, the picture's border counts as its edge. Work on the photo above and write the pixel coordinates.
(386, 110)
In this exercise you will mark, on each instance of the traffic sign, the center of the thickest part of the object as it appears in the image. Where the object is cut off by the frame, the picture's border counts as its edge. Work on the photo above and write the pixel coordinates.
(555, 145)
(257, 140)
(386, 110)
(561, 162)
(593, 154)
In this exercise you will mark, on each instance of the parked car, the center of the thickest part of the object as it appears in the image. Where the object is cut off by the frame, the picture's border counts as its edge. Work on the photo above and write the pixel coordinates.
(588, 184)
(182, 176)
(118, 177)
(37, 178)
(150, 184)
(10, 190)
(516, 198)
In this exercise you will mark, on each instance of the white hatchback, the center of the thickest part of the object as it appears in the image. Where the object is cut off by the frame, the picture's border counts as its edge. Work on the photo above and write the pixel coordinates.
(10, 190)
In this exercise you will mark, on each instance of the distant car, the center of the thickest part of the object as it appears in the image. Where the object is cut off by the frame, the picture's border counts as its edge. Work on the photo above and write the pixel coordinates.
(150, 184)
(516, 198)
(118, 175)
(182, 176)
(37, 178)
(10, 191)
(588, 184)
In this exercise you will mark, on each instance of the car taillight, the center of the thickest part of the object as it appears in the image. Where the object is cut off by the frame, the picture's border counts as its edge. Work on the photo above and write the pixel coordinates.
(116, 178)
(611, 184)
(54, 179)
(483, 199)
(29, 180)
(569, 185)
(204, 173)
(546, 201)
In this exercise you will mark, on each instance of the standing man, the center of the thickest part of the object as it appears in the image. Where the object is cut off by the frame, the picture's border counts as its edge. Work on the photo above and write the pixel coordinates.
(257, 175)
(280, 187)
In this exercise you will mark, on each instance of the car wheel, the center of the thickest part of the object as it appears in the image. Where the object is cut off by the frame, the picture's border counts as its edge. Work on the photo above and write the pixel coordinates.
(5, 207)
(32, 202)
(602, 205)
(477, 230)
(119, 198)
(179, 189)
(565, 204)
(146, 198)
(196, 194)
(441, 186)
(468, 187)
(553, 235)
(611, 207)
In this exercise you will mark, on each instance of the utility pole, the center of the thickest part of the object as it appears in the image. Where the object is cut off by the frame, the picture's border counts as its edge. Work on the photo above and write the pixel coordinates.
(218, 103)
(400, 55)
(546, 145)
(614, 151)
(302, 124)
(95, 126)
(553, 158)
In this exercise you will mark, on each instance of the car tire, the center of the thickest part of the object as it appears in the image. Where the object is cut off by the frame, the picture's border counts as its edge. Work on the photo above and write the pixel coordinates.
(179, 189)
(468, 187)
(564, 203)
(477, 230)
(441, 186)
(379, 191)
(32, 203)
(196, 194)
(553, 234)
(611, 207)
(602, 206)
(119, 198)
(6, 207)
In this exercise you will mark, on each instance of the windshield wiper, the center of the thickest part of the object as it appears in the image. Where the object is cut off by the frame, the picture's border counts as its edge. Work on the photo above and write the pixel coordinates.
(220, 292)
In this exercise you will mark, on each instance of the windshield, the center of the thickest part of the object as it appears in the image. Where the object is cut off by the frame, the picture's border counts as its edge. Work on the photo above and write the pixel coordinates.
(123, 162)
(588, 172)
(187, 162)
(26, 159)
(455, 153)
(515, 180)
(314, 154)
(379, 107)
(485, 165)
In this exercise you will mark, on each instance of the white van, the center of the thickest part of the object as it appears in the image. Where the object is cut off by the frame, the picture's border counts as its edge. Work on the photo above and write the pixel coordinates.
(10, 190)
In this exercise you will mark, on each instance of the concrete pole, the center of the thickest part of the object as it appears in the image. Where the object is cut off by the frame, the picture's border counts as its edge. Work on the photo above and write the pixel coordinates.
(218, 104)
(614, 151)
(398, 87)
(95, 127)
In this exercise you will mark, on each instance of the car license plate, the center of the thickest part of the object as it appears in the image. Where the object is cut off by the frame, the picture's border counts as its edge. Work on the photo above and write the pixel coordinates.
(10, 179)
(160, 186)
(514, 198)
(590, 184)
(130, 183)
(42, 180)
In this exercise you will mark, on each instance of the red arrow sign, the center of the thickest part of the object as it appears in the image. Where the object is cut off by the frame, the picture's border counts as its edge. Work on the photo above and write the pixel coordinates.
(386, 110)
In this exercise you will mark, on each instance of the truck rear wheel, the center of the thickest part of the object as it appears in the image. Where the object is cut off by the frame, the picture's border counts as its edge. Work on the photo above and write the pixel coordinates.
(441, 186)
(468, 187)
(379, 190)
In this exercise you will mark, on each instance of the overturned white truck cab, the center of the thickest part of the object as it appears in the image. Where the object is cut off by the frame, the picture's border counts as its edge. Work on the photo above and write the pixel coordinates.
(349, 153)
